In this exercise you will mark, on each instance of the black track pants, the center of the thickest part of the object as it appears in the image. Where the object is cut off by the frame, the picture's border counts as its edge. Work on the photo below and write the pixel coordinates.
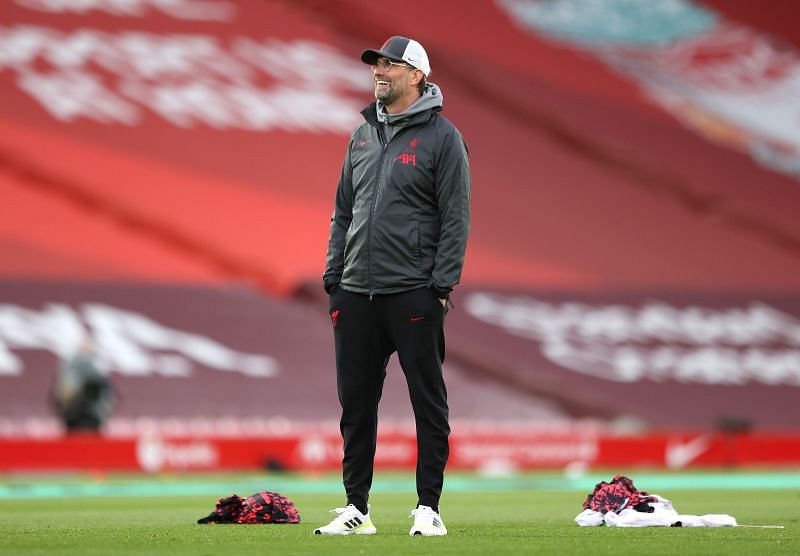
(366, 333)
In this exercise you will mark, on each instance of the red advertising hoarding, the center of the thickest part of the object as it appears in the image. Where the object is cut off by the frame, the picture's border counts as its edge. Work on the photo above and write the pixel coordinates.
(470, 450)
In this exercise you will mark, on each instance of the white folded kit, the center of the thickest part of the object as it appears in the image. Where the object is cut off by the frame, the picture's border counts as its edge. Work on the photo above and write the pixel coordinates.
(663, 515)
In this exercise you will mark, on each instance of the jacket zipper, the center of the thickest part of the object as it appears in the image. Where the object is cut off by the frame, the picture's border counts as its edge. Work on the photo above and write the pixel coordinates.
(385, 145)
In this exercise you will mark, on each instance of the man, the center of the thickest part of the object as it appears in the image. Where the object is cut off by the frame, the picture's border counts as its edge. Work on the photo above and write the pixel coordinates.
(81, 393)
(396, 249)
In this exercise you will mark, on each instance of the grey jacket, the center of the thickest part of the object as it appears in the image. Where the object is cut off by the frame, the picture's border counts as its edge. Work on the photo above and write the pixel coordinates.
(401, 216)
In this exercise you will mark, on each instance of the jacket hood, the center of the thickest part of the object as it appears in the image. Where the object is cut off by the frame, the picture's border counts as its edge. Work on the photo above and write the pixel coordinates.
(431, 98)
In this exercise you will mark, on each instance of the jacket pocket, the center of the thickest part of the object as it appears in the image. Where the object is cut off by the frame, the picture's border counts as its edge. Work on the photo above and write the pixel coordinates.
(415, 244)
(426, 245)
(348, 237)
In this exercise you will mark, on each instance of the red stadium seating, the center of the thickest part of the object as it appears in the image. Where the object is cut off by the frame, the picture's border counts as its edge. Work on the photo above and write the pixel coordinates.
(191, 154)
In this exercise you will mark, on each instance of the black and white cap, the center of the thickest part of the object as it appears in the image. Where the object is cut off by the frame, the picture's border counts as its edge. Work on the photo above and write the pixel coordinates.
(400, 49)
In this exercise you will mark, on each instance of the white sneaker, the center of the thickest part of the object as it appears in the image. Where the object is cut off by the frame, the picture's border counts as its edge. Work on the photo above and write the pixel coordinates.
(350, 521)
(427, 523)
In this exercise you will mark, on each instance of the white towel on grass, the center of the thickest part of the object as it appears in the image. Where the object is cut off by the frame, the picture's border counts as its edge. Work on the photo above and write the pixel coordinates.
(663, 515)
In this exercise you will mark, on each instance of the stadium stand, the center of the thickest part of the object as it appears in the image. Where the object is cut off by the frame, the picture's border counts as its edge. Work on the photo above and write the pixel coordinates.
(173, 166)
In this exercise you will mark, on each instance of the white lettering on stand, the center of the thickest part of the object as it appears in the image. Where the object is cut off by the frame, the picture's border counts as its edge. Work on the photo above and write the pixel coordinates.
(655, 341)
(201, 10)
(126, 342)
(186, 80)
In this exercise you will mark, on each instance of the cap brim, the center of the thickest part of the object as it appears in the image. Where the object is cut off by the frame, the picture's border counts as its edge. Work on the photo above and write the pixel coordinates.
(371, 56)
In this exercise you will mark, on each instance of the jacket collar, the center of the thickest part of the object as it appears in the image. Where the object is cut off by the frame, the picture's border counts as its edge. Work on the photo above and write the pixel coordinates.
(370, 115)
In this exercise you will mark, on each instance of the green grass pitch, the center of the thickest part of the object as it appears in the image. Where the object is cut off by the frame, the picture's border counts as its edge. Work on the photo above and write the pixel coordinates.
(506, 522)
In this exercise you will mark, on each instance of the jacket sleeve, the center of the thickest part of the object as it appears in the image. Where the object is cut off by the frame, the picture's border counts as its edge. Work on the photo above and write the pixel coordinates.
(340, 222)
(453, 183)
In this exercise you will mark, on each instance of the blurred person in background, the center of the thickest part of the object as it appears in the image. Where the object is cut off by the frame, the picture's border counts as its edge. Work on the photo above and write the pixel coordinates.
(396, 249)
(81, 394)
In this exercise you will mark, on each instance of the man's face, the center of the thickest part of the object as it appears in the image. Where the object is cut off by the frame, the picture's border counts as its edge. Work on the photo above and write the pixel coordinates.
(392, 80)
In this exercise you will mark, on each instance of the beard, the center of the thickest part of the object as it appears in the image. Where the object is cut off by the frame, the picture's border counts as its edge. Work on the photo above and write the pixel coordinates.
(388, 95)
